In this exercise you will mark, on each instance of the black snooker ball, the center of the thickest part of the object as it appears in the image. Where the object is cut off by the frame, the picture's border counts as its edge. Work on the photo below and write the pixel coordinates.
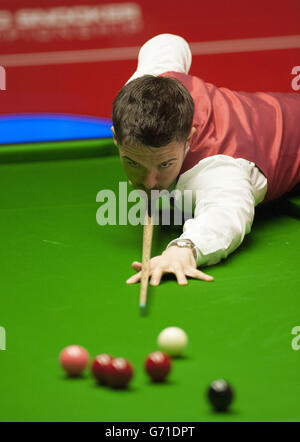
(220, 395)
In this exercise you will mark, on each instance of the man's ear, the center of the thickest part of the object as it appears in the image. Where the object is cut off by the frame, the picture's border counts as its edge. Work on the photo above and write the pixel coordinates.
(193, 130)
(114, 135)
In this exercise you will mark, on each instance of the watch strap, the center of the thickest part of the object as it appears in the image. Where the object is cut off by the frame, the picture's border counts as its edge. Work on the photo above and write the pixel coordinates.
(184, 242)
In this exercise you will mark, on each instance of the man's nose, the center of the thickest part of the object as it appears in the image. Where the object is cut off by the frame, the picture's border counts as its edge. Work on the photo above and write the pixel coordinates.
(150, 180)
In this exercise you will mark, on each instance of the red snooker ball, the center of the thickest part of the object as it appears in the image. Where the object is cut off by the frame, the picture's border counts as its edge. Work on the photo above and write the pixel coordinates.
(119, 373)
(100, 366)
(74, 359)
(158, 366)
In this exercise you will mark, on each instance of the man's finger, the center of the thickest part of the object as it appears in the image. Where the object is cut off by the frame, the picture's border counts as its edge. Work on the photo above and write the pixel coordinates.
(156, 276)
(197, 274)
(136, 265)
(181, 279)
(134, 278)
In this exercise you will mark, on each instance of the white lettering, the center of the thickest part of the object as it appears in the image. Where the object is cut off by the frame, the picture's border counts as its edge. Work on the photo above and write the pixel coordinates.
(2, 79)
(2, 338)
(295, 341)
(296, 80)
(6, 20)
(109, 206)
(136, 214)
(78, 16)
(123, 203)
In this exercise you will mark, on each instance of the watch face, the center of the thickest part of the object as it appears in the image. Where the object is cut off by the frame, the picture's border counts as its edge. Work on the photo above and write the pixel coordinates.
(183, 243)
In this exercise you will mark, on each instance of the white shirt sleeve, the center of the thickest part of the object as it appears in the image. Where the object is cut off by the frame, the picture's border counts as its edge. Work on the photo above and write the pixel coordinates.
(225, 192)
(163, 53)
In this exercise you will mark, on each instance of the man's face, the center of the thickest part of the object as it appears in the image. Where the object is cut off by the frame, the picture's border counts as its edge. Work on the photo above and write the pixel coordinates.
(153, 168)
(150, 168)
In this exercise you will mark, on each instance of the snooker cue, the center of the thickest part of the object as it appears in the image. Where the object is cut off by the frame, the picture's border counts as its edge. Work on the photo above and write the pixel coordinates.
(147, 243)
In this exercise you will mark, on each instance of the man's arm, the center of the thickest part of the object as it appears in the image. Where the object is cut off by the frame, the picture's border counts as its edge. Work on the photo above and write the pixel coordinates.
(163, 53)
(226, 191)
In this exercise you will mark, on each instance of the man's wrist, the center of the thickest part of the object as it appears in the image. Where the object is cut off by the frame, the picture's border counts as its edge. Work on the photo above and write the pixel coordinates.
(184, 242)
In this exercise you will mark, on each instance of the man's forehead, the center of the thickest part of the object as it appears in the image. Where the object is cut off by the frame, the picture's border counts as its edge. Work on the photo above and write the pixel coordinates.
(151, 152)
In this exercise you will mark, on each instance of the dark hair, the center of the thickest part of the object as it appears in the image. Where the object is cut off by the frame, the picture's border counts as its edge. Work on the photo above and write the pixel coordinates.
(152, 111)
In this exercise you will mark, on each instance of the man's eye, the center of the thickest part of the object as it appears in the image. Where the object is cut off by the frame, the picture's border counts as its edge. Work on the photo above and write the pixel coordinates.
(133, 164)
(164, 165)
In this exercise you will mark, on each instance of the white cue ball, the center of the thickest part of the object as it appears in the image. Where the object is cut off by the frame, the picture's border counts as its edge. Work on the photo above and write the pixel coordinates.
(173, 341)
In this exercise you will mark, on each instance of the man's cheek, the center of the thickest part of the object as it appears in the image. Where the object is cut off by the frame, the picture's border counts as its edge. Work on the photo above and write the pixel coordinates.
(127, 170)
(132, 177)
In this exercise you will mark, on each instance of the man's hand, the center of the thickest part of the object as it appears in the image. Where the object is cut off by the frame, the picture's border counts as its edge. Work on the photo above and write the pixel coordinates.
(177, 260)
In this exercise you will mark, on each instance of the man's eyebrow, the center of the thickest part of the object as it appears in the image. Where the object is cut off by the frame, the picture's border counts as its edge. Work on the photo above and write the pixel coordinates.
(127, 158)
(167, 161)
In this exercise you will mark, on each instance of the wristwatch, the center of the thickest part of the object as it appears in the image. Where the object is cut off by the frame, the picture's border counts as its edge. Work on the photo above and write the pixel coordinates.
(184, 243)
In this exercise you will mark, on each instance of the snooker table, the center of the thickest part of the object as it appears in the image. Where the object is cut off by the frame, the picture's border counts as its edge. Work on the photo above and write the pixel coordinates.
(63, 282)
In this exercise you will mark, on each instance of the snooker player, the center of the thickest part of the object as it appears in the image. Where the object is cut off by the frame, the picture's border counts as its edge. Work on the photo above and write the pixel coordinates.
(233, 150)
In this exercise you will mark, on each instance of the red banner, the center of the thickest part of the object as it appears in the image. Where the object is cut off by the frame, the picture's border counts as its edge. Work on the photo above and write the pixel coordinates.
(73, 56)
